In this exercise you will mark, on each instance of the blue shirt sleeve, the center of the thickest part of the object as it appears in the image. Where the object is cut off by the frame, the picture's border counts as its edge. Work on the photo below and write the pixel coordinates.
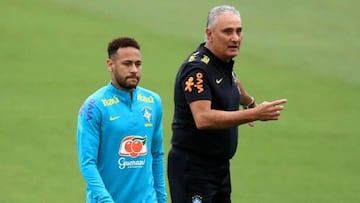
(88, 140)
(158, 157)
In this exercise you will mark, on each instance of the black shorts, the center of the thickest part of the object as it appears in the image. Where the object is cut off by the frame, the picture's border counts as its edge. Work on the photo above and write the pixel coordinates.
(195, 179)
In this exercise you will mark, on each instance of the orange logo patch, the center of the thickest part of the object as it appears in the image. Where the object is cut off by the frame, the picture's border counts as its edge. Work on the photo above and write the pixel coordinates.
(188, 84)
(191, 83)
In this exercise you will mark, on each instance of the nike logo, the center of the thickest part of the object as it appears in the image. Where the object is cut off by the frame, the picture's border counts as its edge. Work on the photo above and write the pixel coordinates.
(112, 118)
(218, 81)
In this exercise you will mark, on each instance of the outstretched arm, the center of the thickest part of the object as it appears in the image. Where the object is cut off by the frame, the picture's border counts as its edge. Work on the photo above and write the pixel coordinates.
(207, 118)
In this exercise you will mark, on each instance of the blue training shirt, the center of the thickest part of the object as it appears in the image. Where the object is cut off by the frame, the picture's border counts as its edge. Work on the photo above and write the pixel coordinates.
(120, 146)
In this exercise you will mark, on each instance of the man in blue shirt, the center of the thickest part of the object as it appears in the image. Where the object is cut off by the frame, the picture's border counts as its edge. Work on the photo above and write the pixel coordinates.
(119, 134)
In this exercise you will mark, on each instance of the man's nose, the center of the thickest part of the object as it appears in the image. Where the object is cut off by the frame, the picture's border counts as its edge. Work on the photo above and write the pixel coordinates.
(134, 68)
(235, 37)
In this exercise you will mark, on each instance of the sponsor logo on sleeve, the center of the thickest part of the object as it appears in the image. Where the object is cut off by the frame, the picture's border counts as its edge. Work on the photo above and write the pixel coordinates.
(196, 83)
(87, 109)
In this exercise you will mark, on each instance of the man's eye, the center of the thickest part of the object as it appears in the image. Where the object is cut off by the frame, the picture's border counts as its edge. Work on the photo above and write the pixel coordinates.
(228, 32)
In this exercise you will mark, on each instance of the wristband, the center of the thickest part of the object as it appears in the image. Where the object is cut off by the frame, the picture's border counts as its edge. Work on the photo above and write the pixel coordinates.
(251, 105)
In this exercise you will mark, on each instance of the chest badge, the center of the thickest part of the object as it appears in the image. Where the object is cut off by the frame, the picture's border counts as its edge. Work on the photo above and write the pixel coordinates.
(147, 115)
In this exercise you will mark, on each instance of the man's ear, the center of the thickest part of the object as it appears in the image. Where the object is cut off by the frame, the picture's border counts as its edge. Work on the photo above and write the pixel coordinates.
(110, 65)
(208, 33)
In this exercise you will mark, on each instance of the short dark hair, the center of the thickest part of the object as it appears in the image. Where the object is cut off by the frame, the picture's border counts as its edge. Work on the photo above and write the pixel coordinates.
(121, 42)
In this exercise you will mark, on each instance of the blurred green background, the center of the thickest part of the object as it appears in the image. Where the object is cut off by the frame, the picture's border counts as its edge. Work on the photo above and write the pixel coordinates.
(52, 56)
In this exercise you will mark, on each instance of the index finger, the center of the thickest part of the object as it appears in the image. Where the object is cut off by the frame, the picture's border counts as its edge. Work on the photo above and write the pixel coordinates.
(279, 101)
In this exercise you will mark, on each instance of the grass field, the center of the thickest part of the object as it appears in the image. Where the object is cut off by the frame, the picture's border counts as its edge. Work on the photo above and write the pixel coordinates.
(52, 56)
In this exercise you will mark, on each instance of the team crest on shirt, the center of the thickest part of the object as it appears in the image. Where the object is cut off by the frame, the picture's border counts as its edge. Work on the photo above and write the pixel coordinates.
(147, 115)
(196, 199)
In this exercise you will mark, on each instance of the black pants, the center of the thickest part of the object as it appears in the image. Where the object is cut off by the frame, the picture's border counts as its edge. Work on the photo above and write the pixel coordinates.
(195, 179)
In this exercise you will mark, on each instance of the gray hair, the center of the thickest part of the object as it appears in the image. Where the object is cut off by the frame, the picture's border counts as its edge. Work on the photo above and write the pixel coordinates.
(214, 12)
